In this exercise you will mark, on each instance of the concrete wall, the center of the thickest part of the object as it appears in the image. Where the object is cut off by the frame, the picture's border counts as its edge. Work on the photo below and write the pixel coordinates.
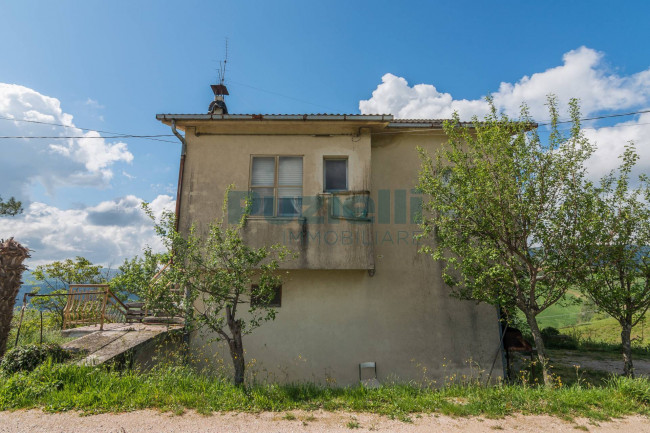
(402, 317)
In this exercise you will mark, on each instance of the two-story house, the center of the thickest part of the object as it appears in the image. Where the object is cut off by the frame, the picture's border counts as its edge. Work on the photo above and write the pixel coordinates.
(339, 190)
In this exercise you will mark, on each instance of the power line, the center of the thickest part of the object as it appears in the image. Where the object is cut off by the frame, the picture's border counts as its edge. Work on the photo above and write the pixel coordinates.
(77, 136)
(604, 116)
(119, 134)
(283, 95)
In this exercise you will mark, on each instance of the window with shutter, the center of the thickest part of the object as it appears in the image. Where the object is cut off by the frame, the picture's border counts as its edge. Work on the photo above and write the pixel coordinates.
(276, 185)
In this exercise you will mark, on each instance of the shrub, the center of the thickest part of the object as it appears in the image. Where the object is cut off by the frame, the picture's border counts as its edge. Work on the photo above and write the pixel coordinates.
(27, 358)
(554, 340)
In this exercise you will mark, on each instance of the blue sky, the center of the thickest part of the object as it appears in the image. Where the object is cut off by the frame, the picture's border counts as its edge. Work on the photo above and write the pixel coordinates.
(112, 66)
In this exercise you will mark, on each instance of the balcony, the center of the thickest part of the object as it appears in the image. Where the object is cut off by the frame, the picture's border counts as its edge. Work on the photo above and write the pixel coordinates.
(334, 232)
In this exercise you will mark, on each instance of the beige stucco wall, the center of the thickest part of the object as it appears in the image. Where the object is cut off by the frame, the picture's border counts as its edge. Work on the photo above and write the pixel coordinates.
(402, 317)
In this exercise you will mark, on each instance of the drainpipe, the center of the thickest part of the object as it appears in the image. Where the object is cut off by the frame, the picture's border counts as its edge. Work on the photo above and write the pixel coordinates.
(180, 171)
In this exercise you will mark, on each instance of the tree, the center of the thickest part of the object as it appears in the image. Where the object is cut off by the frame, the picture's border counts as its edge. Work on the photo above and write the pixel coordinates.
(618, 258)
(58, 275)
(503, 211)
(136, 274)
(11, 207)
(12, 256)
(217, 274)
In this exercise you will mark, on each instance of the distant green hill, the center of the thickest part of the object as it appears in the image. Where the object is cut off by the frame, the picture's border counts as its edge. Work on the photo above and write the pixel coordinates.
(30, 285)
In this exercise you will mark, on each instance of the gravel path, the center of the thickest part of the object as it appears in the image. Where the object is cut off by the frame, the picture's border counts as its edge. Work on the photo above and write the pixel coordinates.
(35, 421)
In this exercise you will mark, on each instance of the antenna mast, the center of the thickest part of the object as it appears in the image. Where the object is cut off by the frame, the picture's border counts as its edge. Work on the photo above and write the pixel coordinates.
(218, 106)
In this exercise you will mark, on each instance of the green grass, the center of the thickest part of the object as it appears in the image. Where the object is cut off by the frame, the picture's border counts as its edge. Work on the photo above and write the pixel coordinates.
(568, 311)
(30, 332)
(608, 330)
(66, 387)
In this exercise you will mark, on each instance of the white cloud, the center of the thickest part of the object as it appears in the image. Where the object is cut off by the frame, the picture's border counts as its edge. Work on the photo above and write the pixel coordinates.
(611, 141)
(93, 104)
(85, 161)
(583, 74)
(105, 234)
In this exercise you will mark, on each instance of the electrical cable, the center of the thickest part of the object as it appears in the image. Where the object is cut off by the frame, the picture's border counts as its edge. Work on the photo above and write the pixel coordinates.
(152, 137)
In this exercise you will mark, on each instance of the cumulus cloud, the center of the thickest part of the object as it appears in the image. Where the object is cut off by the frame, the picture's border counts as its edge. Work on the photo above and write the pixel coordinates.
(583, 74)
(86, 161)
(611, 141)
(105, 234)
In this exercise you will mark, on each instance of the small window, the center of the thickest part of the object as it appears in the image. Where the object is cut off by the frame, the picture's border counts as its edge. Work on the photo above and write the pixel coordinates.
(335, 174)
(276, 300)
(276, 185)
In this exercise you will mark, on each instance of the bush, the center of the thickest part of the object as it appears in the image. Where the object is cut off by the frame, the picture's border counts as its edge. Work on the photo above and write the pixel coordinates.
(27, 358)
(554, 340)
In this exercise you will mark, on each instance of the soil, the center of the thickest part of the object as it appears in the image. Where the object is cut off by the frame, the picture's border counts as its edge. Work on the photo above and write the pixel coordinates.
(35, 421)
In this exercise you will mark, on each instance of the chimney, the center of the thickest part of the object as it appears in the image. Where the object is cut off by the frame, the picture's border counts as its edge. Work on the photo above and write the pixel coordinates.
(218, 106)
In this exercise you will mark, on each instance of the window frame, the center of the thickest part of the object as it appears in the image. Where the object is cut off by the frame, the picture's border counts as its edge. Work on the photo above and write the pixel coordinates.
(345, 158)
(278, 295)
(275, 182)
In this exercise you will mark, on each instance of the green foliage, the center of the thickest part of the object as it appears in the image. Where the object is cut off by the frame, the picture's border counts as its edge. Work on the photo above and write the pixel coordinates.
(28, 357)
(503, 210)
(58, 275)
(67, 387)
(135, 275)
(553, 339)
(10, 207)
(214, 274)
(617, 276)
(30, 331)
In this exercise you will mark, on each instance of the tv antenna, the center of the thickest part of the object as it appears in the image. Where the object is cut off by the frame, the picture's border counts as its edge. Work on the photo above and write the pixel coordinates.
(221, 72)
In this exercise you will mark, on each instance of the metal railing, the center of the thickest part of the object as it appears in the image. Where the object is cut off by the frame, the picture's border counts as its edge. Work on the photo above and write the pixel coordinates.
(92, 307)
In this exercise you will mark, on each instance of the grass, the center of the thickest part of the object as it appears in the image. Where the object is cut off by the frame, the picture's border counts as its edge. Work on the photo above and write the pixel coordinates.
(64, 387)
(608, 330)
(30, 332)
(568, 311)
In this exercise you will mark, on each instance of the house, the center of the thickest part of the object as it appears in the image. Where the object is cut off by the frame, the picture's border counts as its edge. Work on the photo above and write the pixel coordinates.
(339, 190)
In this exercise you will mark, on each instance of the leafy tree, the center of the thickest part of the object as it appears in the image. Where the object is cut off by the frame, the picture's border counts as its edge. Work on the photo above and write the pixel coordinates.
(11, 207)
(618, 258)
(58, 275)
(136, 274)
(503, 211)
(216, 275)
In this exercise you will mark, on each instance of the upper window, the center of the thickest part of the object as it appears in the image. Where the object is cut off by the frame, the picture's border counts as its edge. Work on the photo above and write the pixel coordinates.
(276, 185)
(335, 174)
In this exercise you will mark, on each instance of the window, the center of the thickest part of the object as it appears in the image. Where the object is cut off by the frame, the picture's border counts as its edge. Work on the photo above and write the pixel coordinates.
(276, 185)
(335, 174)
(275, 301)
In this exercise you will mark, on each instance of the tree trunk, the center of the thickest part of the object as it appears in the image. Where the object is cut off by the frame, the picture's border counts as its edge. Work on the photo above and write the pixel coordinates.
(236, 347)
(541, 350)
(626, 343)
(12, 256)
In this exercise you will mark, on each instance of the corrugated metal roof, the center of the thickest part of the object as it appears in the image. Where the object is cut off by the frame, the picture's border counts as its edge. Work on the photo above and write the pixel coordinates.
(317, 116)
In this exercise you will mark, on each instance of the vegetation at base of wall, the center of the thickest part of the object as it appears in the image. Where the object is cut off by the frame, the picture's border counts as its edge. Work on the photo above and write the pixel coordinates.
(66, 387)
(27, 358)
(30, 331)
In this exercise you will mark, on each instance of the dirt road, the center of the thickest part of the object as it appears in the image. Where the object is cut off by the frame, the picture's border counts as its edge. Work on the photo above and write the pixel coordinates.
(150, 421)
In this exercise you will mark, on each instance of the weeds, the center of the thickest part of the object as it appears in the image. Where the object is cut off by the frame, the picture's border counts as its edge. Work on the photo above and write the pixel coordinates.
(63, 387)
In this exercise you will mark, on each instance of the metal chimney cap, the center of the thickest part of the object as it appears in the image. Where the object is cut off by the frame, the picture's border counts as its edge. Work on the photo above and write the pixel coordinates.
(219, 89)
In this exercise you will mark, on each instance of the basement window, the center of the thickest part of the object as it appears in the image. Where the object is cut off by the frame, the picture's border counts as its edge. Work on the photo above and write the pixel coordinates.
(276, 186)
(275, 301)
(335, 174)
